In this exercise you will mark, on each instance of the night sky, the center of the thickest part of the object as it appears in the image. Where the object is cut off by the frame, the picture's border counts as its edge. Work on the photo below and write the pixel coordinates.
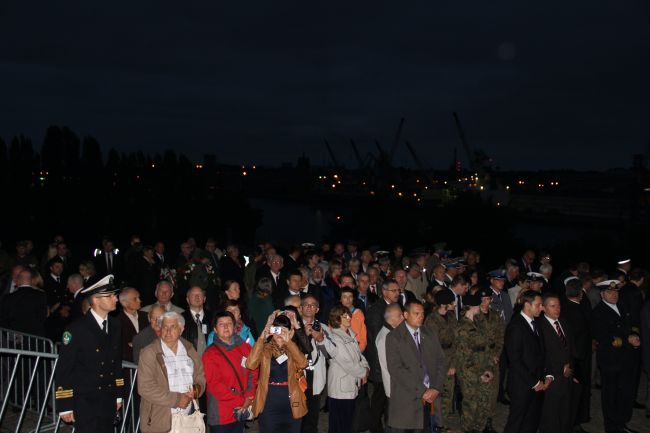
(549, 84)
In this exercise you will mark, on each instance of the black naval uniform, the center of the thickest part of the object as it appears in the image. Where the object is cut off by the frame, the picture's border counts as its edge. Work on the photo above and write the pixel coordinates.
(615, 358)
(89, 374)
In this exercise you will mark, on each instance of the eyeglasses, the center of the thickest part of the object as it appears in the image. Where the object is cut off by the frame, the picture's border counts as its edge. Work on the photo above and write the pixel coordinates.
(309, 305)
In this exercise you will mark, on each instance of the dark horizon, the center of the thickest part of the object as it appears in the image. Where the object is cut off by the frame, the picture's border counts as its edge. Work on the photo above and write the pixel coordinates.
(552, 86)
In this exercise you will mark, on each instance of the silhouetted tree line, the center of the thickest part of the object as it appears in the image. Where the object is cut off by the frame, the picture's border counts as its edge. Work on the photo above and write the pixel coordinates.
(70, 187)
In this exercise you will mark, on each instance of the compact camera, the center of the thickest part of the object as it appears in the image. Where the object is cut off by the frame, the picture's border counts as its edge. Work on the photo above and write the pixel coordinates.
(276, 330)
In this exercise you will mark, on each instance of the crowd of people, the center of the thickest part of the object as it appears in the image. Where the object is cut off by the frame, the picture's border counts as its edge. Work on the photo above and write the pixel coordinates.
(396, 342)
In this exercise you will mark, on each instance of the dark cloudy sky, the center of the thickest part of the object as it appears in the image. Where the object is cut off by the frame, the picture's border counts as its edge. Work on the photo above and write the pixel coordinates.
(547, 84)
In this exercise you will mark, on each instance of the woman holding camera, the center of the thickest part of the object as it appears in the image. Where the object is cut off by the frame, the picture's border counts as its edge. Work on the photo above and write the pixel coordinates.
(347, 372)
(280, 399)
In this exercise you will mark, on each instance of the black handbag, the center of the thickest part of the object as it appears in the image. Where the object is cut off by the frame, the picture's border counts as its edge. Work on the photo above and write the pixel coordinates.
(361, 420)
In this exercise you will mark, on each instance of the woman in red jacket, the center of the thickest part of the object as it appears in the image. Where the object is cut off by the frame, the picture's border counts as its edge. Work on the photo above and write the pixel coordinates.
(230, 385)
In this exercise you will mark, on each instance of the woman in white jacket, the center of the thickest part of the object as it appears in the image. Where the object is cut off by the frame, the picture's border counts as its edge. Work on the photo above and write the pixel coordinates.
(348, 370)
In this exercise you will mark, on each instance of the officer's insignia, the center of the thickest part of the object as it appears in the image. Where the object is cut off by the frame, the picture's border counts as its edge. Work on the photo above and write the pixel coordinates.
(617, 342)
(67, 338)
(612, 285)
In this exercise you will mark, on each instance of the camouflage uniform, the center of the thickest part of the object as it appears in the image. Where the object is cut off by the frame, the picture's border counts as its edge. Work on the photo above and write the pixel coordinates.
(445, 328)
(473, 358)
(494, 328)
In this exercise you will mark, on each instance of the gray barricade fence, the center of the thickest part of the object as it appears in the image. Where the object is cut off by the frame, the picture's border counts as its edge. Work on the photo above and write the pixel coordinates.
(27, 387)
(10, 339)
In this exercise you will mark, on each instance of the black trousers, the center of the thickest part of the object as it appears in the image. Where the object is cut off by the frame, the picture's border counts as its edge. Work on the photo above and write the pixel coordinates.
(503, 369)
(95, 413)
(377, 407)
(234, 427)
(582, 392)
(617, 397)
(341, 415)
(310, 421)
(525, 410)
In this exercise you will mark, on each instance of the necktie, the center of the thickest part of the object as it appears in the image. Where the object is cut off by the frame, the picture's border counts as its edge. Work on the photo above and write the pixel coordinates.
(105, 326)
(109, 262)
(425, 379)
(363, 299)
(534, 327)
(560, 333)
(458, 306)
(373, 289)
(58, 280)
(200, 338)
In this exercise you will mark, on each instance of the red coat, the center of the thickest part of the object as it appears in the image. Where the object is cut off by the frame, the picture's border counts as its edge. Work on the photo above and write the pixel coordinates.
(223, 390)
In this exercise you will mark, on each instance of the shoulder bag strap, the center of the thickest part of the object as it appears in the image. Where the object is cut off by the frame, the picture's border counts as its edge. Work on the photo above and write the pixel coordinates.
(241, 385)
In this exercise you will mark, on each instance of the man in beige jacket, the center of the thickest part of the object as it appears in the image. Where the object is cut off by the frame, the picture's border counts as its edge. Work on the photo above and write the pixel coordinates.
(170, 375)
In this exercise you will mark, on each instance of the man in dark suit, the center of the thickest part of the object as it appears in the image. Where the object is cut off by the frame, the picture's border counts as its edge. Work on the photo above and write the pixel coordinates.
(618, 342)
(292, 287)
(292, 260)
(527, 378)
(90, 385)
(147, 335)
(54, 283)
(374, 322)
(147, 275)
(578, 320)
(198, 321)
(559, 356)
(364, 297)
(108, 261)
(24, 310)
(416, 364)
(645, 345)
(274, 272)
(160, 257)
(405, 295)
(132, 320)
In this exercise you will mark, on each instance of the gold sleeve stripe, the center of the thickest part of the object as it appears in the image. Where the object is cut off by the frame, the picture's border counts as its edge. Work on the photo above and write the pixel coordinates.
(64, 394)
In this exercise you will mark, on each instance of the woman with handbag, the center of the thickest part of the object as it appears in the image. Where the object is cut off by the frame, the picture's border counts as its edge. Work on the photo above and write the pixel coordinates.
(170, 379)
(348, 371)
(280, 399)
(231, 386)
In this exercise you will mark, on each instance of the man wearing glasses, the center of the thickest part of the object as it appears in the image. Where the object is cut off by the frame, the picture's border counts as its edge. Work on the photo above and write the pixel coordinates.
(89, 371)
(390, 294)
(317, 369)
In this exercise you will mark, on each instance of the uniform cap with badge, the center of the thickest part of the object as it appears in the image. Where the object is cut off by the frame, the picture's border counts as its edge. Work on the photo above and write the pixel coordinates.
(104, 286)
(536, 276)
(609, 285)
(497, 274)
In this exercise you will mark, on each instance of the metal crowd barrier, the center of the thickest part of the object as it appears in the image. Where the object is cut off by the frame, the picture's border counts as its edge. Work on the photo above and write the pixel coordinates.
(27, 392)
(10, 339)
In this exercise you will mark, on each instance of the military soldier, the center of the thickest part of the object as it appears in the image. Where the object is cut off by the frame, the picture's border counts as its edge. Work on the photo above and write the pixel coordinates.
(443, 323)
(474, 366)
(617, 341)
(89, 382)
(494, 328)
